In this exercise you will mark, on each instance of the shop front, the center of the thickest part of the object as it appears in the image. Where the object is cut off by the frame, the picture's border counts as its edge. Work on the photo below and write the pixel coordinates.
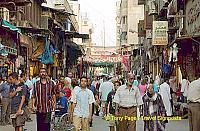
(8, 48)
(188, 57)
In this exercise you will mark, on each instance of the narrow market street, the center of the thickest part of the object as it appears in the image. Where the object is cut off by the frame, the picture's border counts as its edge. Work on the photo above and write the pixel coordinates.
(95, 65)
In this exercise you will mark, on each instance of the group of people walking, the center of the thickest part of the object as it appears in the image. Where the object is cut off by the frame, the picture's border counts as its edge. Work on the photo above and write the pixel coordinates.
(111, 97)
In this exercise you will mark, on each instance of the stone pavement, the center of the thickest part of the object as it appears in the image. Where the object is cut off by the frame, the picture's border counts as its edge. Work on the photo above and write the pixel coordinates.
(101, 125)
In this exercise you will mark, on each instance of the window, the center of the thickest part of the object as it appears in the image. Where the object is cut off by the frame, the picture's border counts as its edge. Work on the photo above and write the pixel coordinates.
(71, 5)
(124, 20)
(84, 22)
(85, 40)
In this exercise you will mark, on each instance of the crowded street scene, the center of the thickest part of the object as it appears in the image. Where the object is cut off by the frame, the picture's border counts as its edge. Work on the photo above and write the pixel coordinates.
(99, 65)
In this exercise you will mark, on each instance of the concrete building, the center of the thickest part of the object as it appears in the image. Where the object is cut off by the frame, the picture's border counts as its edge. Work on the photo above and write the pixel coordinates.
(85, 26)
(118, 25)
(129, 13)
(179, 56)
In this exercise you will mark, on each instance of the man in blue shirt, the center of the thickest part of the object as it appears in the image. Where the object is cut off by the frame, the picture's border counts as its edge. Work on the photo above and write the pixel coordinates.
(6, 107)
(62, 103)
(17, 94)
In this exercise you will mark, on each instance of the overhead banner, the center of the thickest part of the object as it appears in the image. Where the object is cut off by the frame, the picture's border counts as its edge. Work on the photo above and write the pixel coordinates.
(124, 59)
(160, 35)
(105, 58)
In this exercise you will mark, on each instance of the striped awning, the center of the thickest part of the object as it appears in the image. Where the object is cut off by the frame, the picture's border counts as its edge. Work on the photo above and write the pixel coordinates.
(6, 24)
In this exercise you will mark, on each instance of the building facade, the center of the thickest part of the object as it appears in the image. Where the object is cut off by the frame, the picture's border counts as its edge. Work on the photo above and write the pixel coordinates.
(42, 33)
(174, 57)
(128, 15)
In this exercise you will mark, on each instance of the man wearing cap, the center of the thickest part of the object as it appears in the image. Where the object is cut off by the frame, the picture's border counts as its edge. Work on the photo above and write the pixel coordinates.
(127, 99)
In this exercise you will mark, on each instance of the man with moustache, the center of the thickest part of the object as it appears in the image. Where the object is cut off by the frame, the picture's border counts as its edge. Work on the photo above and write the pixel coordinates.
(127, 99)
(44, 101)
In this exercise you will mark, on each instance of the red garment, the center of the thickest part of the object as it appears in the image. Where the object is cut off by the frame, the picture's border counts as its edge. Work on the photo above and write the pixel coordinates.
(178, 92)
(68, 92)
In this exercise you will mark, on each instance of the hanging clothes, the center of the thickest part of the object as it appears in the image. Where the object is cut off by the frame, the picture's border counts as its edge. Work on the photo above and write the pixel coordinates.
(46, 57)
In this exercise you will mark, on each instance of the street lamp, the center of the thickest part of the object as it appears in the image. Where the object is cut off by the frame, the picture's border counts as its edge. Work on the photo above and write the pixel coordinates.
(140, 46)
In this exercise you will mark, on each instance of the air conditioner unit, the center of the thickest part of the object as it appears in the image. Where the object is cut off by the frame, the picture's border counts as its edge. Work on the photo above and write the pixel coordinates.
(4, 13)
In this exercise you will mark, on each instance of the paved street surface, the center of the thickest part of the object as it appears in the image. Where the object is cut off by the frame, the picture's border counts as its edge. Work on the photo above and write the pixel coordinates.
(101, 125)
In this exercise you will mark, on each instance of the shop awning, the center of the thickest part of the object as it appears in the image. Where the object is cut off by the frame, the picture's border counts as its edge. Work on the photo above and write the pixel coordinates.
(77, 35)
(84, 36)
(35, 30)
(102, 64)
(183, 38)
(77, 47)
(6, 24)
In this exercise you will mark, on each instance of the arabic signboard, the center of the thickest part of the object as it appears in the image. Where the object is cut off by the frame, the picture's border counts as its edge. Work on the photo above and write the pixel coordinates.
(124, 59)
(160, 35)
(104, 58)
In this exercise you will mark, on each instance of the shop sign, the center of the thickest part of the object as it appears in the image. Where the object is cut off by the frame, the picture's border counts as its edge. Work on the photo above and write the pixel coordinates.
(104, 58)
(160, 35)
(193, 17)
(124, 59)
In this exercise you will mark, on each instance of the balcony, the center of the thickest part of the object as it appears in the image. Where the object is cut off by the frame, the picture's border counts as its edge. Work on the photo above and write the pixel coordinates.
(22, 24)
(67, 9)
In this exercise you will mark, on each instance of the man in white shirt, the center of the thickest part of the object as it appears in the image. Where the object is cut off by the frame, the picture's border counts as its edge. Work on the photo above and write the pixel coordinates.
(184, 88)
(193, 99)
(127, 99)
(166, 96)
(82, 106)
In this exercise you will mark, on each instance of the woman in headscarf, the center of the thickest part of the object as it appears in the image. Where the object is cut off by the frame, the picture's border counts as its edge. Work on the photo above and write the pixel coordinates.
(153, 107)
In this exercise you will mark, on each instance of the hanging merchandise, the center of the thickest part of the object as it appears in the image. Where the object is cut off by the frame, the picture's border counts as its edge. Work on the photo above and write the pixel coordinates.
(175, 52)
(166, 69)
(46, 57)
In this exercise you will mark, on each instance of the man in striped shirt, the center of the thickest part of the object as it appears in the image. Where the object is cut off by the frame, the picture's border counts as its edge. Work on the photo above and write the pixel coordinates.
(44, 101)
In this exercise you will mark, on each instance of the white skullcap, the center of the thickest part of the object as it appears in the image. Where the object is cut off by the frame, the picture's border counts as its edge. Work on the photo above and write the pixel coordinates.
(68, 79)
